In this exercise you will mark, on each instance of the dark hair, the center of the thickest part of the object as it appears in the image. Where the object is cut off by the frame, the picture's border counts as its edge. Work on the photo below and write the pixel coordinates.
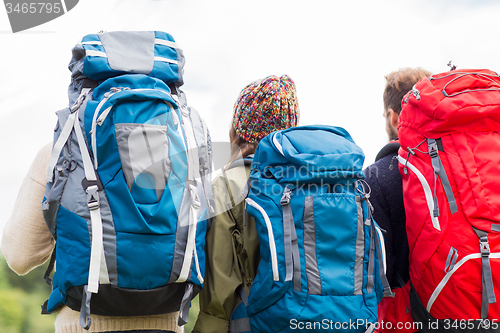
(399, 83)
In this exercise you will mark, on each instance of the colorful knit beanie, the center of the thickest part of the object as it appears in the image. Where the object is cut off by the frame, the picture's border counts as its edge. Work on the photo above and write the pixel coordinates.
(265, 106)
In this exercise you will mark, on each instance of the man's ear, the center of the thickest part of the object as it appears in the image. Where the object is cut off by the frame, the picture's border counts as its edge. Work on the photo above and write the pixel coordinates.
(394, 118)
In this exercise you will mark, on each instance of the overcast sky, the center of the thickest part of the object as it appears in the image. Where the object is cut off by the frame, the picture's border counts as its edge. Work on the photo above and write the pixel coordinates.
(337, 52)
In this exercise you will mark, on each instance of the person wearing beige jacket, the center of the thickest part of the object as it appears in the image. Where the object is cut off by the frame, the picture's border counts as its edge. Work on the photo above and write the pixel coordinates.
(27, 243)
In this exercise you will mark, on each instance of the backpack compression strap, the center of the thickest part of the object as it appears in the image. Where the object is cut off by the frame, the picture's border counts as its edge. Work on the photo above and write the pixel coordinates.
(96, 252)
(65, 133)
(439, 171)
(488, 293)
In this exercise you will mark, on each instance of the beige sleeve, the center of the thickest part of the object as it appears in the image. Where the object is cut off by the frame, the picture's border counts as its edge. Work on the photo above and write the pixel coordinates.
(26, 241)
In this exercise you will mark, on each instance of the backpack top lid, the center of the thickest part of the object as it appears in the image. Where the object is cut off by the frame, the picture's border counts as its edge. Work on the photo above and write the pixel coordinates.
(105, 55)
(462, 100)
(309, 154)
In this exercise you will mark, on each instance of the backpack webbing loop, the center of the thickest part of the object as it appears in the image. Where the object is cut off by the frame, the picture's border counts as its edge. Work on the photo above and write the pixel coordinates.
(50, 268)
(185, 304)
(85, 320)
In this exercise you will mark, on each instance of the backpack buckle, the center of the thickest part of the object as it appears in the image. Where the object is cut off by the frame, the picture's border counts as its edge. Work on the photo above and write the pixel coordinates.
(193, 190)
(433, 150)
(93, 197)
(484, 246)
(79, 101)
(285, 199)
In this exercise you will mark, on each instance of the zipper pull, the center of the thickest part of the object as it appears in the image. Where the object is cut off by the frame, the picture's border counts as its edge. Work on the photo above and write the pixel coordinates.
(114, 90)
(416, 93)
(395, 157)
(410, 152)
(103, 116)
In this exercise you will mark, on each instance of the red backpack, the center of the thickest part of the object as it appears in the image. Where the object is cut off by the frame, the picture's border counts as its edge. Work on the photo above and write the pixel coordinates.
(449, 131)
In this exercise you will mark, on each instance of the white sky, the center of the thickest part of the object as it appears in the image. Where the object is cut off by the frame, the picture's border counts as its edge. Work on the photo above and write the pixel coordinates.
(337, 52)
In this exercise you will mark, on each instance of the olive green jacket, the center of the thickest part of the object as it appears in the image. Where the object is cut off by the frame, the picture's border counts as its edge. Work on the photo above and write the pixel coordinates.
(232, 252)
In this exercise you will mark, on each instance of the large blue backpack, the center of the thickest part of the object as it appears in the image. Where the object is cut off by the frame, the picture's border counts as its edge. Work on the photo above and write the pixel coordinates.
(128, 190)
(322, 255)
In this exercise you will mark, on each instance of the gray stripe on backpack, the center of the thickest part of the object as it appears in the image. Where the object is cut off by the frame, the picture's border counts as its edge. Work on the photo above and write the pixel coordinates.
(312, 271)
(451, 260)
(360, 250)
(292, 255)
(369, 284)
(181, 235)
(287, 233)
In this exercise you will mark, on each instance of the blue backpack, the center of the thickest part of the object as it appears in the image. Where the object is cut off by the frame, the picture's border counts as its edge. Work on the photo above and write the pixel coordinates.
(128, 191)
(322, 255)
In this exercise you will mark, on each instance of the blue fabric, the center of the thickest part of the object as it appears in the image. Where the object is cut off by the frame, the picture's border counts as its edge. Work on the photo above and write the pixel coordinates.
(142, 166)
(73, 256)
(325, 163)
(97, 68)
(311, 154)
(144, 224)
(73, 250)
(240, 312)
(144, 261)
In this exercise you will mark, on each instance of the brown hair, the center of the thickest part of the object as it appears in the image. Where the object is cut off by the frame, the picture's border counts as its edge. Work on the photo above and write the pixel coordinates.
(399, 83)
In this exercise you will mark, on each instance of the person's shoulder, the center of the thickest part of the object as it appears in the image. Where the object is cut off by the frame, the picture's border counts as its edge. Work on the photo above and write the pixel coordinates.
(389, 149)
(385, 167)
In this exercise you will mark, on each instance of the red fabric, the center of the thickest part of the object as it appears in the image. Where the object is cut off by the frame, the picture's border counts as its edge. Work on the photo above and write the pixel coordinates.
(468, 125)
(439, 115)
(394, 312)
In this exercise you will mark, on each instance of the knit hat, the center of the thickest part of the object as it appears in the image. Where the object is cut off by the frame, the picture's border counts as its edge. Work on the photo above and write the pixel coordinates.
(265, 106)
